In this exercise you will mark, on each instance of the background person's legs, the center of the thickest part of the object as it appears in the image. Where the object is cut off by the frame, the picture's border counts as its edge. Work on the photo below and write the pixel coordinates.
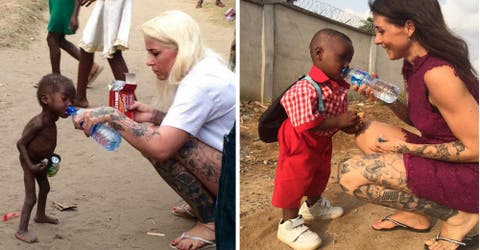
(118, 65)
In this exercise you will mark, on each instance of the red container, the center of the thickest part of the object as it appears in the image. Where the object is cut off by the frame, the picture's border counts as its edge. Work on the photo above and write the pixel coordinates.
(122, 94)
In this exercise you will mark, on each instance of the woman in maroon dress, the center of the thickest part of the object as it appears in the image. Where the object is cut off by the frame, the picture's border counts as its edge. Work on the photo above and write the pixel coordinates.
(434, 173)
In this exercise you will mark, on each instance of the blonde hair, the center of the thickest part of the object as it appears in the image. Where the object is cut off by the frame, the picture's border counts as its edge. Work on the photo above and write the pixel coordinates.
(176, 30)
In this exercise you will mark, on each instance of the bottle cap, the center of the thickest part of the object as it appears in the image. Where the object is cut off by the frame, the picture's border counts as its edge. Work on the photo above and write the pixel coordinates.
(71, 110)
(345, 70)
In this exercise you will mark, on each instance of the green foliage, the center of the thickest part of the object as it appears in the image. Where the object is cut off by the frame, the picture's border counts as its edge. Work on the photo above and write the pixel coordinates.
(368, 25)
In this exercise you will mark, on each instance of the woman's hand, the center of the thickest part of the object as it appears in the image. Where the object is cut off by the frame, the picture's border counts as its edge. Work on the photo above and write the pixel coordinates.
(385, 144)
(141, 112)
(89, 117)
(366, 90)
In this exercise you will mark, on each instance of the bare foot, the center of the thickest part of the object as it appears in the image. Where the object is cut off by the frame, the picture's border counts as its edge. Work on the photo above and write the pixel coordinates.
(26, 236)
(220, 4)
(188, 241)
(454, 228)
(416, 221)
(45, 219)
(82, 103)
(199, 5)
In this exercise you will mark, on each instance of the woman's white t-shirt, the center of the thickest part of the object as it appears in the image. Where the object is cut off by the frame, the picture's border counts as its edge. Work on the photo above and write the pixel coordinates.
(204, 104)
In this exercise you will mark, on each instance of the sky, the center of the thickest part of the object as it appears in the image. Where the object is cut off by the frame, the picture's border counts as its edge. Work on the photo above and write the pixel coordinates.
(461, 17)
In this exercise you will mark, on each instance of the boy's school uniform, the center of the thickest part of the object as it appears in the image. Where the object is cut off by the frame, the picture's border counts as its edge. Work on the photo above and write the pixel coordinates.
(304, 156)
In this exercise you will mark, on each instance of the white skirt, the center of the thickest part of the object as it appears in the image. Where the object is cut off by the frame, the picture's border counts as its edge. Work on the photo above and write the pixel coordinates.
(108, 27)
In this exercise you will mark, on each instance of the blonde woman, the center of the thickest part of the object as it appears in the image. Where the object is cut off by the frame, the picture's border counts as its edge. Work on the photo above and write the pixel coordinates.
(185, 143)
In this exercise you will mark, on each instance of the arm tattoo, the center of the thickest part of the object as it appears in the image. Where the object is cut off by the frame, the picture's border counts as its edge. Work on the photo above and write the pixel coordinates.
(137, 129)
(459, 147)
(403, 201)
(157, 117)
(443, 152)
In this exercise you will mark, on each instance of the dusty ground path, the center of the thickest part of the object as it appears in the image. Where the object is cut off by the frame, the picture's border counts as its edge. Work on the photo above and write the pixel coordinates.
(120, 196)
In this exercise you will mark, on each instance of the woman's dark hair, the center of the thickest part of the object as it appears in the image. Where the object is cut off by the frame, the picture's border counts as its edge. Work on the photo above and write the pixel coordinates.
(431, 32)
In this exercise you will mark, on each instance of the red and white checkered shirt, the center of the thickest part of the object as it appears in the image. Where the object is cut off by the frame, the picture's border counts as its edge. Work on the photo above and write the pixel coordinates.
(301, 102)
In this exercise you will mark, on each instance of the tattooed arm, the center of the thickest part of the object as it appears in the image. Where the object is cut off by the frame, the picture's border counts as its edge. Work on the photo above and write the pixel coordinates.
(145, 113)
(153, 141)
(460, 111)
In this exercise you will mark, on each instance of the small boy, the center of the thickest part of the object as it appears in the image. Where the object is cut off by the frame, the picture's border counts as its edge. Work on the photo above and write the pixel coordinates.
(64, 21)
(305, 139)
(38, 142)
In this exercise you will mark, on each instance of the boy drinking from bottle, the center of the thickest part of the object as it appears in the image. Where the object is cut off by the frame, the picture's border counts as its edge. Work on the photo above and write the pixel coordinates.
(305, 139)
(38, 142)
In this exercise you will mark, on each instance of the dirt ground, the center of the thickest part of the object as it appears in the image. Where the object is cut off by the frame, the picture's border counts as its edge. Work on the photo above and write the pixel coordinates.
(259, 220)
(119, 195)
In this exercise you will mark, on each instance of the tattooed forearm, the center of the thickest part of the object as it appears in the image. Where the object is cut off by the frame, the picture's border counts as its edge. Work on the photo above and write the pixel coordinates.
(102, 111)
(157, 117)
(403, 201)
(120, 121)
(459, 147)
(446, 151)
(441, 152)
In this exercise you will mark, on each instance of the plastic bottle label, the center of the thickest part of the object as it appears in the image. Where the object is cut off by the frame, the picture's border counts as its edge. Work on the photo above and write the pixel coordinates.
(358, 76)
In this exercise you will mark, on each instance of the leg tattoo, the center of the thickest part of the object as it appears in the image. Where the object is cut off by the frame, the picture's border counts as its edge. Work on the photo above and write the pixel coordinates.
(188, 187)
(403, 201)
(202, 161)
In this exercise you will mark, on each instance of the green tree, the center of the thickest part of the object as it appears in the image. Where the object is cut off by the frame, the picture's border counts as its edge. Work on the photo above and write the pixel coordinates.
(368, 25)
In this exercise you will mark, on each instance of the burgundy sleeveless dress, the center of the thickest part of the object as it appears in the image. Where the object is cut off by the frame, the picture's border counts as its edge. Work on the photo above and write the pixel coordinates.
(452, 184)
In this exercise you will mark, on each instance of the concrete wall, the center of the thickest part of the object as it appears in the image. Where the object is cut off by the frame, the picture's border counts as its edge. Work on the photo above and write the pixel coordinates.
(278, 34)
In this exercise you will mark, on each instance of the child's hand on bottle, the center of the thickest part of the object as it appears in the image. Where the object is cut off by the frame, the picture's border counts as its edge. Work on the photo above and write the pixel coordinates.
(141, 112)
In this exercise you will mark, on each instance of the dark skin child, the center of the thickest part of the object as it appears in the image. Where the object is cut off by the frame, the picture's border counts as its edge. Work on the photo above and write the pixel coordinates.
(38, 142)
(330, 54)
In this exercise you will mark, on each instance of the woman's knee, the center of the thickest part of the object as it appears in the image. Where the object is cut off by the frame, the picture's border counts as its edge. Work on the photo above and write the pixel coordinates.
(349, 177)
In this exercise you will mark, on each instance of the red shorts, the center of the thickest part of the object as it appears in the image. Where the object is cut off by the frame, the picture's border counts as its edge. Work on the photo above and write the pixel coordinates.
(303, 166)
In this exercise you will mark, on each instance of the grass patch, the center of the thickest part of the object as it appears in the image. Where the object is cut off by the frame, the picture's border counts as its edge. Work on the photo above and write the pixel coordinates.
(20, 21)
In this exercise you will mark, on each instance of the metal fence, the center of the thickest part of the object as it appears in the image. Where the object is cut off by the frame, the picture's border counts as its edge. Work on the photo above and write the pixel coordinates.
(331, 12)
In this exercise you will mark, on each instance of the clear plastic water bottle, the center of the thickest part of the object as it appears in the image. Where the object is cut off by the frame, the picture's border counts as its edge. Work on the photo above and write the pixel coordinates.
(384, 91)
(103, 134)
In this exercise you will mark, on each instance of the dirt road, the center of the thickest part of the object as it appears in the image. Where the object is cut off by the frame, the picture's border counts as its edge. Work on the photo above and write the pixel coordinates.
(119, 195)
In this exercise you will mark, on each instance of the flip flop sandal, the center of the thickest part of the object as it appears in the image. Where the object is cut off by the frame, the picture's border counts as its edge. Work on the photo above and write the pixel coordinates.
(400, 226)
(208, 244)
(93, 75)
(184, 210)
(468, 243)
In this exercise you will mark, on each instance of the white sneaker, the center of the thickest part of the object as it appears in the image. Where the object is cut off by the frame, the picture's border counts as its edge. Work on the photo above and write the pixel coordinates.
(320, 210)
(294, 233)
